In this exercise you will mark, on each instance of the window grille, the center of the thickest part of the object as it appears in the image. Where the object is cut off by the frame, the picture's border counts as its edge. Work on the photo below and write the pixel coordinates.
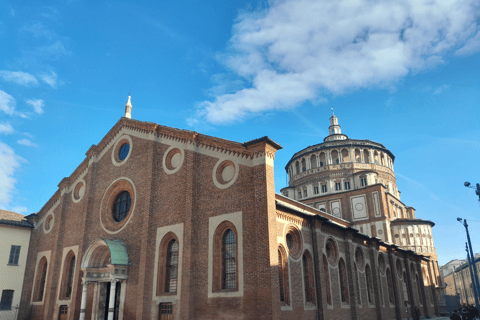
(121, 206)
(166, 311)
(14, 255)
(229, 253)
(172, 267)
(63, 309)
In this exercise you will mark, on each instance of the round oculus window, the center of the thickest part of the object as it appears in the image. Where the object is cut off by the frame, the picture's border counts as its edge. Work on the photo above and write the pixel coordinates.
(121, 206)
(123, 153)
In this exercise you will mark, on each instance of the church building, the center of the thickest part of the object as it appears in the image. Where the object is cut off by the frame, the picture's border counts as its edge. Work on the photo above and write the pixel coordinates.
(162, 223)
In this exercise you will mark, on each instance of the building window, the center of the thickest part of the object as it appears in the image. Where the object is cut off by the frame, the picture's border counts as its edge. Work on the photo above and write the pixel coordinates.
(121, 206)
(7, 298)
(165, 311)
(342, 273)
(308, 280)
(68, 275)
(41, 278)
(347, 185)
(123, 153)
(326, 274)
(315, 190)
(299, 194)
(283, 277)
(63, 311)
(338, 186)
(324, 188)
(390, 286)
(363, 182)
(368, 278)
(305, 193)
(172, 267)
(14, 255)
(229, 261)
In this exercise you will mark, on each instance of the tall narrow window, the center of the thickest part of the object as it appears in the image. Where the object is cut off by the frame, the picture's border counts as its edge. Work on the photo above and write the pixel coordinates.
(41, 278)
(338, 186)
(324, 188)
(6, 302)
(390, 286)
(315, 190)
(71, 273)
(308, 279)
(363, 182)
(342, 273)
(14, 255)
(283, 278)
(326, 275)
(347, 185)
(172, 267)
(357, 284)
(368, 278)
(229, 261)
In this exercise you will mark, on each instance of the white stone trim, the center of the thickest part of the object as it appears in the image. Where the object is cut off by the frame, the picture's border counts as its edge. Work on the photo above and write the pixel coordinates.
(40, 255)
(80, 180)
(165, 168)
(213, 222)
(52, 222)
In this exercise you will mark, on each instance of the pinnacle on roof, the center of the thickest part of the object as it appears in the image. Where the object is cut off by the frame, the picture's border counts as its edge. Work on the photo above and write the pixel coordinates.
(128, 108)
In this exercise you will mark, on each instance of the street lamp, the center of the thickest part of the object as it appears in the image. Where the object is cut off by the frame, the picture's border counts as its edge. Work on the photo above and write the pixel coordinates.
(477, 188)
(471, 260)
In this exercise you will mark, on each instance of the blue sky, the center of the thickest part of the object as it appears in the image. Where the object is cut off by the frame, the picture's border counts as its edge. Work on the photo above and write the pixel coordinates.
(402, 73)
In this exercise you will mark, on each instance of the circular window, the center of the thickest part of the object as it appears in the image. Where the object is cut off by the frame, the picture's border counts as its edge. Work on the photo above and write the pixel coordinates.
(359, 259)
(118, 205)
(381, 264)
(123, 152)
(332, 252)
(294, 241)
(121, 206)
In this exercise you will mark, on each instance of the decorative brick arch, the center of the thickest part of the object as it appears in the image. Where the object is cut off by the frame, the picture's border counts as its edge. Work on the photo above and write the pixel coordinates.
(162, 264)
(40, 280)
(68, 273)
(218, 265)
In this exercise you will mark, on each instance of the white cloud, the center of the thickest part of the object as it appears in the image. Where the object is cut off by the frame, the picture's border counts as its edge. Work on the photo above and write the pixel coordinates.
(472, 46)
(298, 50)
(19, 209)
(18, 77)
(7, 103)
(53, 51)
(27, 143)
(10, 163)
(38, 30)
(6, 128)
(37, 105)
(442, 88)
(50, 79)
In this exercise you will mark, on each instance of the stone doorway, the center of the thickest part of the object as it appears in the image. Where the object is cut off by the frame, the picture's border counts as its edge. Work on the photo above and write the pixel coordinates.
(105, 268)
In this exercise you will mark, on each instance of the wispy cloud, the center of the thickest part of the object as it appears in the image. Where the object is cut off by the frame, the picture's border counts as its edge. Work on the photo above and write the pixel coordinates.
(472, 46)
(296, 50)
(37, 105)
(19, 77)
(442, 88)
(6, 128)
(7, 103)
(27, 143)
(50, 79)
(38, 29)
(10, 163)
(53, 51)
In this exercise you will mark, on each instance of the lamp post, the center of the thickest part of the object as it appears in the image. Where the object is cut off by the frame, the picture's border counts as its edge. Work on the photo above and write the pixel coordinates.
(474, 287)
(469, 246)
(477, 188)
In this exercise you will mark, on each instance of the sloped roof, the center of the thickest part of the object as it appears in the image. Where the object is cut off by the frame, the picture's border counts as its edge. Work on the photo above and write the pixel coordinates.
(14, 219)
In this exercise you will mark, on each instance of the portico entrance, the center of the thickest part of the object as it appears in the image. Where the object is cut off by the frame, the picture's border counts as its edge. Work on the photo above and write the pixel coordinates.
(105, 269)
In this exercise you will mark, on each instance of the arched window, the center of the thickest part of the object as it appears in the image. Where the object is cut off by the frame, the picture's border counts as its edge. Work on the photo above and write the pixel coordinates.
(229, 257)
(357, 284)
(283, 276)
(366, 156)
(171, 267)
(322, 159)
(335, 159)
(304, 165)
(342, 274)
(297, 168)
(390, 286)
(168, 263)
(326, 275)
(309, 282)
(368, 278)
(71, 274)
(358, 158)
(345, 156)
(41, 278)
(313, 161)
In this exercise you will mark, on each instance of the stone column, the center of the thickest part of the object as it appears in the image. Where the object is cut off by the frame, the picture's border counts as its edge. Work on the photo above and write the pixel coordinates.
(83, 304)
(111, 304)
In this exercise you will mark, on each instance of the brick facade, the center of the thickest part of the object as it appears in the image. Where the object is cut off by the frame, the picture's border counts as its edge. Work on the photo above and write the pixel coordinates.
(193, 189)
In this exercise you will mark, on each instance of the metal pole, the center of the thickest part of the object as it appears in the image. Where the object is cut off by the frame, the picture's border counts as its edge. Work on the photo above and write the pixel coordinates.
(471, 275)
(454, 282)
(477, 286)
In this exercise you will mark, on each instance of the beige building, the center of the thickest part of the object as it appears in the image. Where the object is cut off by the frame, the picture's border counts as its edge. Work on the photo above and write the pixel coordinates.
(14, 239)
(354, 180)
